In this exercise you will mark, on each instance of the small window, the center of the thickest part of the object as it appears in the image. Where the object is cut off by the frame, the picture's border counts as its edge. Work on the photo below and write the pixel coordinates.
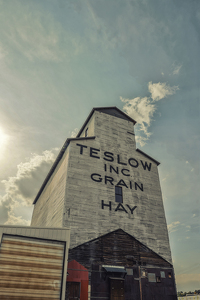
(162, 274)
(86, 132)
(152, 277)
(118, 194)
(129, 271)
(158, 279)
(144, 274)
(169, 275)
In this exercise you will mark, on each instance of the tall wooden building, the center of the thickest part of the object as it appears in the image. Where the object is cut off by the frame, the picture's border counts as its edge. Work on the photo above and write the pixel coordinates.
(108, 192)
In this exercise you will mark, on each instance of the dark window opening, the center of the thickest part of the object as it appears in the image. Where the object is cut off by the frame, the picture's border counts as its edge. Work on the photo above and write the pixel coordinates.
(158, 279)
(118, 194)
(86, 132)
(169, 275)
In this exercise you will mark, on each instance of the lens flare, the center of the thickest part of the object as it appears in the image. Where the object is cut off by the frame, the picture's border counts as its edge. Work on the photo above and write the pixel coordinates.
(3, 139)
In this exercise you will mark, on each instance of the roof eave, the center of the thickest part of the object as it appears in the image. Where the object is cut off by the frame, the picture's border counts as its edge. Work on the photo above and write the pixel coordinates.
(103, 107)
(59, 157)
(151, 158)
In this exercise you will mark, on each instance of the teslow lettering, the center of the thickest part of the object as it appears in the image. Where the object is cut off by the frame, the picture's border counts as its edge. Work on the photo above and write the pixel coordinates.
(120, 162)
(108, 156)
(132, 164)
(81, 147)
(94, 151)
(146, 166)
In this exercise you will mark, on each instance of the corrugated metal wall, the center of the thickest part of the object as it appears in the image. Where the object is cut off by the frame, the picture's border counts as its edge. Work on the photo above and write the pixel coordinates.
(30, 268)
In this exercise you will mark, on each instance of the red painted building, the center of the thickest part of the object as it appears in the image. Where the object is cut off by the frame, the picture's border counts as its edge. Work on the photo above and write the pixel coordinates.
(77, 281)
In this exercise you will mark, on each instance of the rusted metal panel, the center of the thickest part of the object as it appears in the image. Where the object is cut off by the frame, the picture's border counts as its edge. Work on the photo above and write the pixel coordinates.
(30, 268)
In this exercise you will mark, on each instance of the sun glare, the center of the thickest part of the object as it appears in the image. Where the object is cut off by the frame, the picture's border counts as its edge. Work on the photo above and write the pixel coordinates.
(3, 139)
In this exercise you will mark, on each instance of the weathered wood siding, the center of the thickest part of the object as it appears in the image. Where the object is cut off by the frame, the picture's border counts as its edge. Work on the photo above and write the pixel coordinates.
(48, 211)
(116, 248)
(83, 200)
(121, 249)
(75, 198)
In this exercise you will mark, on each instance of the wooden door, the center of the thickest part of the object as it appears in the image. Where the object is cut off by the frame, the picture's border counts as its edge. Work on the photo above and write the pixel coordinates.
(117, 289)
(73, 290)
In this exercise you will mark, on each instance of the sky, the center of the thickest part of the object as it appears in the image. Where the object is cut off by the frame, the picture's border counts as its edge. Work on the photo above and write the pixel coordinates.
(59, 59)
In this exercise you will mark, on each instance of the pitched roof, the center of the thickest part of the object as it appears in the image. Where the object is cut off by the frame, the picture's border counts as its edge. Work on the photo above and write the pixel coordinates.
(111, 110)
(60, 155)
(128, 247)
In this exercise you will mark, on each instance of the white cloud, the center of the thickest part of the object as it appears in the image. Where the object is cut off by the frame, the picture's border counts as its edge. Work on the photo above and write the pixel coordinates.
(176, 70)
(20, 190)
(141, 140)
(12, 220)
(161, 90)
(74, 132)
(173, 226)
(142, 109)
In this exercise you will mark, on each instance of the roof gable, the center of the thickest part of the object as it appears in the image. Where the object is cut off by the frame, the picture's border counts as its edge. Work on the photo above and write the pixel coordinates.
(116, 247)
(112, 111)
